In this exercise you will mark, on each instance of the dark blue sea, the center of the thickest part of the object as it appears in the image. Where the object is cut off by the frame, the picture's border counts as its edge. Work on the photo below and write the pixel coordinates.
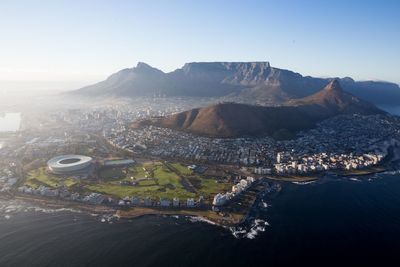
(334, 222)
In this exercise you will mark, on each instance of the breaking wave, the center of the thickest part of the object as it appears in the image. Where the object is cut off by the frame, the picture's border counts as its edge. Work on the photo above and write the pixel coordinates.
(249, 231)
(304, 183)
(200, 219)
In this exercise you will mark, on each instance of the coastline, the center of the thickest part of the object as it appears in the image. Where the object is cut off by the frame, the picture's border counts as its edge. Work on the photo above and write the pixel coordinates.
(221, 219)
(293, 178)
(232, 214)
(345, 173)
(361, 172)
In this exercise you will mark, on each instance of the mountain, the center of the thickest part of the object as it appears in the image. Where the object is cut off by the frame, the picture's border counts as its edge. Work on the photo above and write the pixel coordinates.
(332, 100)
(235, 120)
(144, 80)
(249, 82)
(141, 80)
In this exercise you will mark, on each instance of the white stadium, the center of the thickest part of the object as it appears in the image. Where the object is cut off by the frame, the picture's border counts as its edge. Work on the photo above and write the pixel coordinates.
(68, 163)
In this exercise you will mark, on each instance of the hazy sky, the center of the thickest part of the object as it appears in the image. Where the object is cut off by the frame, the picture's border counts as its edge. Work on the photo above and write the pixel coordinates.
(89, 40)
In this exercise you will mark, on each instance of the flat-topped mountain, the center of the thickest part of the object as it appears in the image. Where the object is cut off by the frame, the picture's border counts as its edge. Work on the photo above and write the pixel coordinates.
(249, 82)
(234, 120)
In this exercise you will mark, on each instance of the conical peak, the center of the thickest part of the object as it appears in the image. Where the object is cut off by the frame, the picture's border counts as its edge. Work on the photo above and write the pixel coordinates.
(142, 65)
(334, 85)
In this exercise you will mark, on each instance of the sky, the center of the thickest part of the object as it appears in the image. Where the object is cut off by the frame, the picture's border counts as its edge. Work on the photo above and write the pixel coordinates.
(84, 41)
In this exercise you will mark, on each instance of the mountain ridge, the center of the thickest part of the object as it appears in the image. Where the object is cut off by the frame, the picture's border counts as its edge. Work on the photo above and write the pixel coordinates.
(250, 82)
(226, 120)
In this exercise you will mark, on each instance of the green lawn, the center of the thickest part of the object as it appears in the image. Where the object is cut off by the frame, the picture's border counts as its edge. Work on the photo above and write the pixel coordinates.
(131, 173)
(123, 191)
(39, 176)
(32, 183)
(137, 172)
(165, 182)
(182, 194)
(147, 182)
(182, 169)
(70, 182)
(138, 191)
(112, 173)
(165, 176)
(212, 187)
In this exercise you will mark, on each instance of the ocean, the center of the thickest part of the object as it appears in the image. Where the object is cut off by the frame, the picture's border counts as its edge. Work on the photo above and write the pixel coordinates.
(346, 221)
(395, 110)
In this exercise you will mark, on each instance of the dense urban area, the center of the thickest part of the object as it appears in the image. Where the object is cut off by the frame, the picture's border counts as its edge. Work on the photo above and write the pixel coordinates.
(157, 167)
